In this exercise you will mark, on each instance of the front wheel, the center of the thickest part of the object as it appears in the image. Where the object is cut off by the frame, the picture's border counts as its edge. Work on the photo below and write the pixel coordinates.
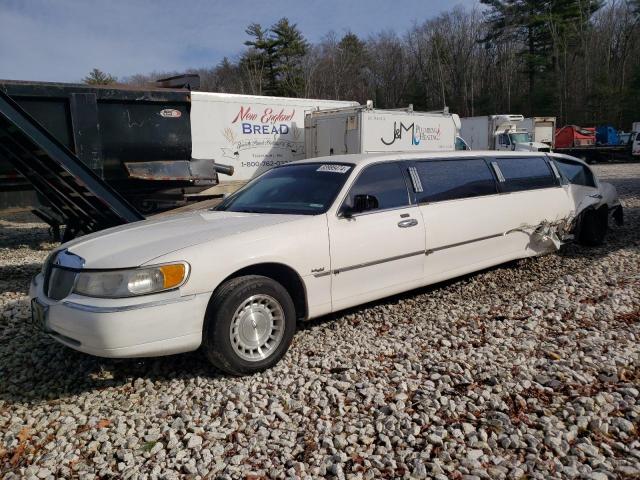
(249, 325)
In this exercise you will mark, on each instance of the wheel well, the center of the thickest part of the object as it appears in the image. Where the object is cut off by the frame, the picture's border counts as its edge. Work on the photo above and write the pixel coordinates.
(285, 276)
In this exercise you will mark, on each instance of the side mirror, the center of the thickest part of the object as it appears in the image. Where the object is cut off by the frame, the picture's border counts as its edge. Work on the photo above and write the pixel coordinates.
(364, 203)
(361, 203)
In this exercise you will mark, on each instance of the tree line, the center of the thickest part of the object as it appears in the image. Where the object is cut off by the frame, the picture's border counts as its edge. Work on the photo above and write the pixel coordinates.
(578, 60)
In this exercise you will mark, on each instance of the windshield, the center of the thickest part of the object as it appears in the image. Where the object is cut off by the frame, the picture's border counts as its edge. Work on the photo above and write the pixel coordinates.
(520, 137)
(303, 189)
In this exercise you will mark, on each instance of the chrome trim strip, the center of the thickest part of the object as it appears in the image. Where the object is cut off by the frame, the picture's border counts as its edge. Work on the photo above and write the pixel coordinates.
(437, 249)
(373, 212)
(417, 183)
(376, 262)
(498, 172)
(125, 308)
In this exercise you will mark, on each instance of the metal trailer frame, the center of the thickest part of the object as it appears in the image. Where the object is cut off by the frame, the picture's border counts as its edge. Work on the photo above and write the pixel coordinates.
(77, 197)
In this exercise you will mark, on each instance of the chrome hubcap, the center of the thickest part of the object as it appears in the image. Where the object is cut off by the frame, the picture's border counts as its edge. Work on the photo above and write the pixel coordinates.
(257, 327)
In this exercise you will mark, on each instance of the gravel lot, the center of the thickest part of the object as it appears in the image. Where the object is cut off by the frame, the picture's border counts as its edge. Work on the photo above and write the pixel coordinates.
(530, 370)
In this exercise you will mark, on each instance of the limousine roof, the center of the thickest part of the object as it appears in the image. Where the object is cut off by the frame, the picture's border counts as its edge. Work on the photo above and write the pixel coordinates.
(366, 158)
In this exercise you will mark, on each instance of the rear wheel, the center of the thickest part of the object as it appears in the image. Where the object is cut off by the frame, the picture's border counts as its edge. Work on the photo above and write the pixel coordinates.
(249, 325)
(594, 226)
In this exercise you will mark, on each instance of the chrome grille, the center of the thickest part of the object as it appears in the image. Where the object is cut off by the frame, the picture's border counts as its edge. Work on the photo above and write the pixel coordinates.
(60, 274)
(60, 283)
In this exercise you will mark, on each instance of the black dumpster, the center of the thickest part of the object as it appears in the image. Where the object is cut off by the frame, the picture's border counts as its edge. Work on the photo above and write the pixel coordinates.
(118, 131)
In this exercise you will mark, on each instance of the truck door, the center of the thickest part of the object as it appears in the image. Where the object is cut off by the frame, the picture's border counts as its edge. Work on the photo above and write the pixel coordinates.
(330, 136)
(503, 142)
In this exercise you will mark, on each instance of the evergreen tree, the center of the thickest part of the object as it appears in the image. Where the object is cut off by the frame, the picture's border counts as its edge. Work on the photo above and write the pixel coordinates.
(262, 57)
(290, 48)
(354, 58)
(98, 77)
(276, 56)
(535, 24)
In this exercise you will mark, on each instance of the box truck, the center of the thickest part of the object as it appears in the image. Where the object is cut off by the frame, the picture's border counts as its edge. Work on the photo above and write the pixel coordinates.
(249, 132)
(499, 132)
(364, 129)
(541, 129)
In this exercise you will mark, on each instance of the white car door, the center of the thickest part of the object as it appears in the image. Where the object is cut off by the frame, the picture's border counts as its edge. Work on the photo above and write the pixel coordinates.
(469, 225)
(377, 238)
(459, 202)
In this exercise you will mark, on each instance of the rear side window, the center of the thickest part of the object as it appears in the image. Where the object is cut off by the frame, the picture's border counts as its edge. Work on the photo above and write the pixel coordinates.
(384, 181)
(452, 179)
(575, 172)
(525, 173)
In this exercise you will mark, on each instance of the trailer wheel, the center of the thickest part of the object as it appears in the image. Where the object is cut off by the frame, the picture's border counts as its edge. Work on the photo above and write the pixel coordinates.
(594, 226)
(249, 325)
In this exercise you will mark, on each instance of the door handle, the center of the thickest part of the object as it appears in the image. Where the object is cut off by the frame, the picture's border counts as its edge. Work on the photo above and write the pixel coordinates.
(410, 222)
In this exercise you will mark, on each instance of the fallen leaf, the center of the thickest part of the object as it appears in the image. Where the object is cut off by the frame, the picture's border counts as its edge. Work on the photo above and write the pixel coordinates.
(104, 423)
(24, 434)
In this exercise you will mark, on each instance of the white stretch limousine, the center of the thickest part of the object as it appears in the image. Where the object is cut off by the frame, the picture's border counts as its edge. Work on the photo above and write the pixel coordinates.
(306, 239)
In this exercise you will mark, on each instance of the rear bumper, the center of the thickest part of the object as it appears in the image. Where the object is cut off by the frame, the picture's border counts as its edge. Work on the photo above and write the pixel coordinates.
(155, 325)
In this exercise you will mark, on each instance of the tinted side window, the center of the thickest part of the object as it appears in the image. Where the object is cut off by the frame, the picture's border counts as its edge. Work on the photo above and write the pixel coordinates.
(576, 173)
(451, 179)
(525, 173)
(384, 181)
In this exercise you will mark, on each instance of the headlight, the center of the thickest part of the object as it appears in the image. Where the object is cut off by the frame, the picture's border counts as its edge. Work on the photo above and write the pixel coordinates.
(130, 283)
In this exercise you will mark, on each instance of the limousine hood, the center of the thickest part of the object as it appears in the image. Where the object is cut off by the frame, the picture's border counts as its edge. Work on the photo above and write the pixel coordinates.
(138, 243)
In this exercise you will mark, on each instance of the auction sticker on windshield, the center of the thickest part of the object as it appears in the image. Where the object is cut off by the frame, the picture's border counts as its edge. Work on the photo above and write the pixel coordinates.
(334, 168)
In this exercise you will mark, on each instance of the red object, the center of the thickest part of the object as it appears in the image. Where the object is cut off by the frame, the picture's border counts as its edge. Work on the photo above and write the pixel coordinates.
(574, 136)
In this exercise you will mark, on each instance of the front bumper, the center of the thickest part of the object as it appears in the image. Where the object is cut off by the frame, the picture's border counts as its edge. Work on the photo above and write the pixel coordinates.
(146, 326)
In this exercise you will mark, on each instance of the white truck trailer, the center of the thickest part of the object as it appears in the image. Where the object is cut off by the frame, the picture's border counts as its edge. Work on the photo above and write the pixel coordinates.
(363, 129)
(499, 132)
(251, 133)
(541, 129)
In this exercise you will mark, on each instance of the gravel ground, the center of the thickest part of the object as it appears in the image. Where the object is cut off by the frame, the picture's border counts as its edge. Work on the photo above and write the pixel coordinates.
(529, 370)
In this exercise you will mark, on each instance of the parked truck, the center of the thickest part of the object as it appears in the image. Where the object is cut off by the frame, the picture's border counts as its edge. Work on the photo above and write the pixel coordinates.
(364, 129)
(589, 145)
(541, 129)
(249, 132)
(499, 132)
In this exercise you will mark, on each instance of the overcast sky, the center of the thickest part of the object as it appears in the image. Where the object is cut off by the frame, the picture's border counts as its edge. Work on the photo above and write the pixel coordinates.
(62, 40)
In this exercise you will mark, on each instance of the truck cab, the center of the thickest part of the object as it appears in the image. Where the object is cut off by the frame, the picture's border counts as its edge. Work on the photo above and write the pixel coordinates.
(499, 132)
(520, 141)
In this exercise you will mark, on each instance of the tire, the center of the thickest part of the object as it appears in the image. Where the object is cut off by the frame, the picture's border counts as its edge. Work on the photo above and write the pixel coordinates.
(594, 226)
(242, 343)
